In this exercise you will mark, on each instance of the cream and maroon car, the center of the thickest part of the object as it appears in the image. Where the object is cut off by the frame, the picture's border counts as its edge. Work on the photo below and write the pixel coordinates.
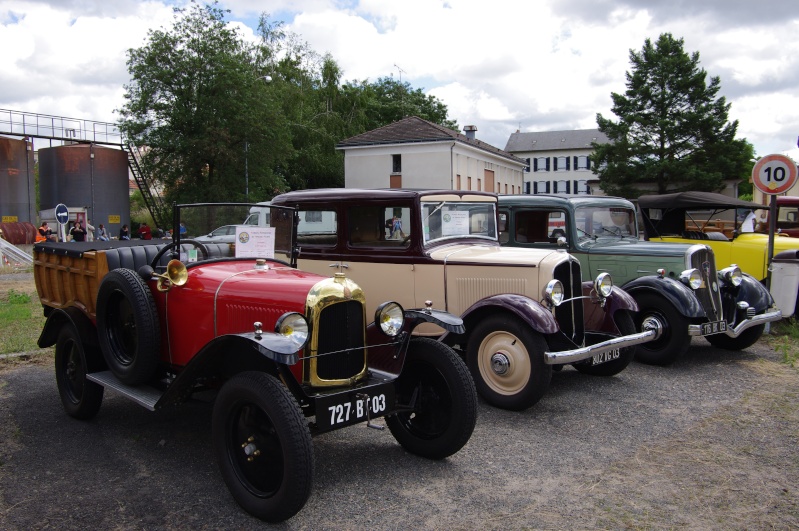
(526, 311)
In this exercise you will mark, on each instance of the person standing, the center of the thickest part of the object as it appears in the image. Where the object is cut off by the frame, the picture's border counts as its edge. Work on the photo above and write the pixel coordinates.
(78, 233)
(144, 232)
(124, 233)
(89, 231)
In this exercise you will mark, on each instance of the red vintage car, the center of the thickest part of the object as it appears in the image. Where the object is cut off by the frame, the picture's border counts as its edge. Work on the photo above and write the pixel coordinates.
(292, 354)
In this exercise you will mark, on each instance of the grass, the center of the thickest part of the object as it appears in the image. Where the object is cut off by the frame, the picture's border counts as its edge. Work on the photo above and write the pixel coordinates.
(784, 338)
(21, 321)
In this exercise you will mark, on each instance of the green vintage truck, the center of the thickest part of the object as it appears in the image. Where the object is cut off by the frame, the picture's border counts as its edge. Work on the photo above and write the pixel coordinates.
(675, 285)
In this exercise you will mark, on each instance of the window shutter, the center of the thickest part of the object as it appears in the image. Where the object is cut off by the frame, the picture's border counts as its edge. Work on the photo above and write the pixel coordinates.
(547, 159)
(568, 187)
(535, 164)
(568, 165)
(527, 168)
(554, 163)
(527, 187)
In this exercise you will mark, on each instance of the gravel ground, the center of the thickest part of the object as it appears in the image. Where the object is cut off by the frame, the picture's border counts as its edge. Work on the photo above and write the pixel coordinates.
(708, 443)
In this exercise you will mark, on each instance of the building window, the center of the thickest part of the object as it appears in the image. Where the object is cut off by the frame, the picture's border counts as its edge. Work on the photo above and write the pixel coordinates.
(469, 183)
(541, 187)
(541, 164)
(561, 163)
(395, 181)
(458, 187)
(396, 163)
(562, 187)
(313, 216)
(581, 187)
(506, 189)
(479, 184)
(582, 163)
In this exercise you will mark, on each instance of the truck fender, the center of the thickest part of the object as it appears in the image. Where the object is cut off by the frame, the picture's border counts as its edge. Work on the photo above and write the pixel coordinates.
(230, 354)
(528, 310)
(752, 292)
(678, 294)
(71, 316)
(600, 319)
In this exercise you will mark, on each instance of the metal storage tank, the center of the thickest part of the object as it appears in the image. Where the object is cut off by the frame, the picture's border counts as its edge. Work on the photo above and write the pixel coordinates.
(17, 185)
(83, 175)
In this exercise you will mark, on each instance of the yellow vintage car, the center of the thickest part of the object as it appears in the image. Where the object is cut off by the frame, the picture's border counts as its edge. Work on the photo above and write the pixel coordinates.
(686, 217)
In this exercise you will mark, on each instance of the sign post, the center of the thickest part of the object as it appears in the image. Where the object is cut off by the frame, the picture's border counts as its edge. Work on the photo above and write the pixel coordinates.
(773, 175)
(62, 217)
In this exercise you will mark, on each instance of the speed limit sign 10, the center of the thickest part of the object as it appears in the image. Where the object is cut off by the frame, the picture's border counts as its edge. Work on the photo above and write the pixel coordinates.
(774, 174)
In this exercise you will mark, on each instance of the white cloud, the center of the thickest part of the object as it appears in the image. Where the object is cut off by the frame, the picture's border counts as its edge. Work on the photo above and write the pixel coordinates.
(545, 64)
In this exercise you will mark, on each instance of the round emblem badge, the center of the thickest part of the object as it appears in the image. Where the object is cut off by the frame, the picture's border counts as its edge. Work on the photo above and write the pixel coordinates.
(244, 237)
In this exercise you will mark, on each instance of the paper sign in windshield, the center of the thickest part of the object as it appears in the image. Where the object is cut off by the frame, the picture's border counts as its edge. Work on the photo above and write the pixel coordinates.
(454, 223)
(255, 242)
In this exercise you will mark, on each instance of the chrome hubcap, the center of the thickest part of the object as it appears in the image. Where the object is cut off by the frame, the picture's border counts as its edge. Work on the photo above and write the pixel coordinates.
(500, 363)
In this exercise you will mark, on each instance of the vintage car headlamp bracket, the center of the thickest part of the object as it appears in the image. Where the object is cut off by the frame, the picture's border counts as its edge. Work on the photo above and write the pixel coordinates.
(731, 275)
(603, 285)
(554, 293)
(390, 318)
(293, 326)
(691, 278)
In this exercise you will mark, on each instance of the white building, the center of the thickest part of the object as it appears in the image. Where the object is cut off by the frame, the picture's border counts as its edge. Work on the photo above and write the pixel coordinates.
(558, 160)
(415, 153)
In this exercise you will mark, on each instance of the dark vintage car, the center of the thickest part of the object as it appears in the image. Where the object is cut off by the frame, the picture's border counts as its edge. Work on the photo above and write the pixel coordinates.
(676, 286)
(291, 354)
(526, 311)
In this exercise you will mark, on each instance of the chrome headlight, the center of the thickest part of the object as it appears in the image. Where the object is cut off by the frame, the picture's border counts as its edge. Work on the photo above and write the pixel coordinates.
(603, 285)
(294, 326)
(691, 278)
(390, 317)
(554, 292)
(731, 275)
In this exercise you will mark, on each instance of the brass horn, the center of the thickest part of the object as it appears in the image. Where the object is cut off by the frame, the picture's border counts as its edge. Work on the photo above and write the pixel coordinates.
(176, 275)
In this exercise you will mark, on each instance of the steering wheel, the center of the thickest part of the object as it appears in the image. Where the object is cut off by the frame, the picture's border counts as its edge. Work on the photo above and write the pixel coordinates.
(171, 245)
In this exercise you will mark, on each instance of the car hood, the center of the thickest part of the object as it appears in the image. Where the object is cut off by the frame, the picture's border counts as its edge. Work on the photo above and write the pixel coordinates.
(637, 248)
(495, 255)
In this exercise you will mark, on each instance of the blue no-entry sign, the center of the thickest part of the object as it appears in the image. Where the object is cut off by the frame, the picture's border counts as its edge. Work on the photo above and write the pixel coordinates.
(61, 214)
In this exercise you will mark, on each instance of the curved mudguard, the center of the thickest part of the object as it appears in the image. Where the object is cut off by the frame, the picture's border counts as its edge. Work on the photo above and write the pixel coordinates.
(678, 294)
(753, 292)
(600, 318)
(445, 320)
(71, 316)
(527, 309)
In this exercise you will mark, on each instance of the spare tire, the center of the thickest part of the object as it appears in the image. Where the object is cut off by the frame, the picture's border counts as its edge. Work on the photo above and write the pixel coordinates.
(128, 327)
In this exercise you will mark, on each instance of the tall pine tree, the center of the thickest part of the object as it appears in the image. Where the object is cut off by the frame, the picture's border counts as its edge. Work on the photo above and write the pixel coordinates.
(672, 131)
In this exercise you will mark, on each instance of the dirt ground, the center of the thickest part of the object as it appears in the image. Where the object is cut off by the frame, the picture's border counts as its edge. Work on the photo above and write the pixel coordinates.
(711, 442)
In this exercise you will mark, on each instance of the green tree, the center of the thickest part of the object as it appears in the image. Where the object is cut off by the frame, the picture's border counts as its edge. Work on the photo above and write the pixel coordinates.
(672, 130)
(198, 102)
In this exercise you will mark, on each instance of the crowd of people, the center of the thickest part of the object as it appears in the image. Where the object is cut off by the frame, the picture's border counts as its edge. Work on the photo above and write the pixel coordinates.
(78, 232)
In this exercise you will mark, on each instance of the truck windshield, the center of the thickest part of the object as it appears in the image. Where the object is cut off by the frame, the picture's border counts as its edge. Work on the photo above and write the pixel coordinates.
(605, 222)
(452, 220)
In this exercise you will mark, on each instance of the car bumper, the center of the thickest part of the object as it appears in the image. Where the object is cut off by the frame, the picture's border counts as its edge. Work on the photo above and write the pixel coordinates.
(767, 317)
(571, 356)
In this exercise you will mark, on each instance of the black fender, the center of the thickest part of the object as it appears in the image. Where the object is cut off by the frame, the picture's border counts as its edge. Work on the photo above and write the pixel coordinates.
(678, 294)
(230, 354)
(71, 316)
(752, 292)
(600, 318)
(445, 320)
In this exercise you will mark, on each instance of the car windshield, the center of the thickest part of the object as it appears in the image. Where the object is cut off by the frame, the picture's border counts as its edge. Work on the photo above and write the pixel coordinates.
(597, 222)
(271, 235)
(452, 219)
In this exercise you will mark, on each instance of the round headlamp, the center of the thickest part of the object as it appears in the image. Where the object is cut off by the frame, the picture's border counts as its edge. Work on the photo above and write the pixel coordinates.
(603, 285)
(390, 317)
(732, 275)
(691, 278)
(293, 326)
(554, 292)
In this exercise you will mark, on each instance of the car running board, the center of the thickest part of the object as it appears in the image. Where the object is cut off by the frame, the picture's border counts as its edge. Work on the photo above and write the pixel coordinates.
(144, 395)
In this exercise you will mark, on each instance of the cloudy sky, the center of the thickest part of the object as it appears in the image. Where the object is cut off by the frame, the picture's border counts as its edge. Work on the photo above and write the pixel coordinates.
(503, 66)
